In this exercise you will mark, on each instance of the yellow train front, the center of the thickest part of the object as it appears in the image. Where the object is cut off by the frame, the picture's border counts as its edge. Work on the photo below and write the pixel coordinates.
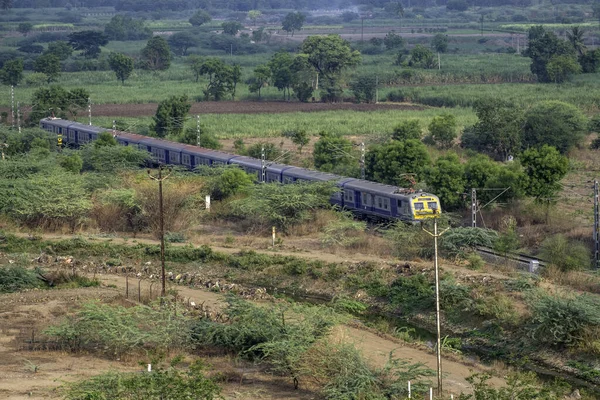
(424, 206)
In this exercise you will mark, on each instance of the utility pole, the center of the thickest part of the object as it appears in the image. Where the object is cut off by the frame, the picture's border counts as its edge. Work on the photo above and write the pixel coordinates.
(376, 89)
(12, 105)
(362, 29)
(474, 208)
(114, 128)
(160, 178)
(90, 111)
(19, 116)
(362, 160)
(197, 130)
(596, 223)
(263, 165)
(435, 236)
(2, 147)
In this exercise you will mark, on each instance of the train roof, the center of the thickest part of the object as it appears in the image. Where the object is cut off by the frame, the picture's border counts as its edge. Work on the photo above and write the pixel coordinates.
(361, 184)
(246, 162)
(59, 122)
(310, 175)
(162, 144)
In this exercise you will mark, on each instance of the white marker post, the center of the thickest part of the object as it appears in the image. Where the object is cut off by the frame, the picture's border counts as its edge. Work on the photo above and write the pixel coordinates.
(207, 201)
(273, 236)
(409, 389)
(149, 367)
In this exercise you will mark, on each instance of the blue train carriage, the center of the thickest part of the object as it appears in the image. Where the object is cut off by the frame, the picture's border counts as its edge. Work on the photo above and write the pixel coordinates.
(376, 200)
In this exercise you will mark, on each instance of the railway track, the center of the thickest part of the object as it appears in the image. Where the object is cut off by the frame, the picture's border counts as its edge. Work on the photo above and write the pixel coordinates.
(522, 261)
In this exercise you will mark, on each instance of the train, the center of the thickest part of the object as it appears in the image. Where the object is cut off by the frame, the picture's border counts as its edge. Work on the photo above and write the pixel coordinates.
(364, 198)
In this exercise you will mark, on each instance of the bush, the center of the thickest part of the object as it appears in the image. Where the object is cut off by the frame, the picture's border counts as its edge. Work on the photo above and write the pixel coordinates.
(412, 293)
(565, 254)
(407, 129)
(458, 242)
(229, 182)
(16, 279)
(562, 321)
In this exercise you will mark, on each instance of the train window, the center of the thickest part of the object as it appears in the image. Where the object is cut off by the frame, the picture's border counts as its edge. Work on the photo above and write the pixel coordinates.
(174, 157)
(287, 179)
(419, 206)
(186, 159)
(432, 205)
(272, 177)
(366, 199)
(218, 163)
(349, 195)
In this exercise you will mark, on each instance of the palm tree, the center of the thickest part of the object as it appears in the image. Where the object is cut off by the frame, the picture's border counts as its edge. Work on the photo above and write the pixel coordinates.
(575, 37)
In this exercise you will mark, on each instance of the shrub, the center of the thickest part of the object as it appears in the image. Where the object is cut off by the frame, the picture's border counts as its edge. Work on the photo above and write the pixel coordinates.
(344, 231)
(407, 129)
(460, 241)
(16, 279)
(562, 320)
(228, 182)
(412, 293)
(565, 254)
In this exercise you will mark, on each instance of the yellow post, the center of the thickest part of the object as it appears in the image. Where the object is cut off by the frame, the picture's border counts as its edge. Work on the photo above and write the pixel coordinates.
(273, 236)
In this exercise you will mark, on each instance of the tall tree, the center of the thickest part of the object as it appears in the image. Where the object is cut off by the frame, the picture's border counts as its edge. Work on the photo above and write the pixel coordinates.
(25, 28)
(421, 57)
(253, 15)
(201, 17)
(260, 78)
(329, 56)
(440, 43)
(282, 77)
(57, 101)
(293, 22)
(220, 78)
(391, 162)
(180, 42)
(48, 64)
(543, 46)
(333, 153)
(544, 168)
(122, 65)
(124, 27)
(575, 37)
(157, 54)
(61, 49)
(88, 42)
(170, 116)
(446, 178)
(12, 72)
(195, 63)
(231, 27)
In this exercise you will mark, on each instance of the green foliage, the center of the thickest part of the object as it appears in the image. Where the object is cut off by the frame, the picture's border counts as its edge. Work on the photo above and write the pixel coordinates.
(48, 64)
(566, 254)
(17, 279)
(519, 386)
(12, 72)
(170, 383)
(157, 54)
(112, 158)
(590, 61)
(462, 241)
(229, 182)
(206, 140)
(105, 139)
(446, 178)
(272, 152)
(546, 49)
(170, 116)
(421, 57)
(20, 143)
(116, 330)
(408, 241)
(121, 64)
(124, 27)
(412, 293)
(364, 88)
(393, 41)
(554, 123)
(498, 131)
(261, 77)
(61, 49)
(561, 68)
(332, 152)
(594, 124)
(561, 320)
(281, 71)
(544, 168)
(231, 27)
(180, 42)
(56, 100)
(201, 17)
(293, 22)
(407, 129)
(389, 163)
(72, 163)
(343, 231)
(220, 78)
(440, 43)
(88, 42)
(443, 129)
(282, 205)
(298, 136)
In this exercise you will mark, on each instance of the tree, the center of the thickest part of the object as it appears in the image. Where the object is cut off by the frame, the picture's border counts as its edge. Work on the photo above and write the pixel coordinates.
(543, 46)
(48, 64)
(302, 76)
(231, 27)
(498, 130)
(293, 22)
(421, 57)
(590, 61)
(25, 28)
(121, 64)
(393, 41)
(220, 78)
(253, 15)
(123, 27)
(544, 168)
(396, 9)
(261, 77)
(180, 42)
(329, 56)
(280, 65)
(170, 116)
(6, 4)
(12, 72)
(208, 141)
(201, 17)
(258, 35)
(88, 42)
(157, 54)
(457, 5)
(446, 178)
(554, 123)
(298, 136)
(560, 68)
(575, 38)
(57, 101)
(443, 129)
(390, 163)
(195, 63)
(332, 152)
(440, 43)
(105, 139)
(61, 49)
(364, 88)
(407, 129)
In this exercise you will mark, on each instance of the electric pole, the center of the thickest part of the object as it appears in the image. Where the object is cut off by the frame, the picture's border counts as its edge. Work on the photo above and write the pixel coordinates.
(12, 106)
(362, 160)
(474, 208)
(596, 223)
(197, 130)
(90, 111)
(19, 116)
(160, 178)
(263, 165)
(114, 128)
(2, 147)
(435, 236)
(362, 29)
